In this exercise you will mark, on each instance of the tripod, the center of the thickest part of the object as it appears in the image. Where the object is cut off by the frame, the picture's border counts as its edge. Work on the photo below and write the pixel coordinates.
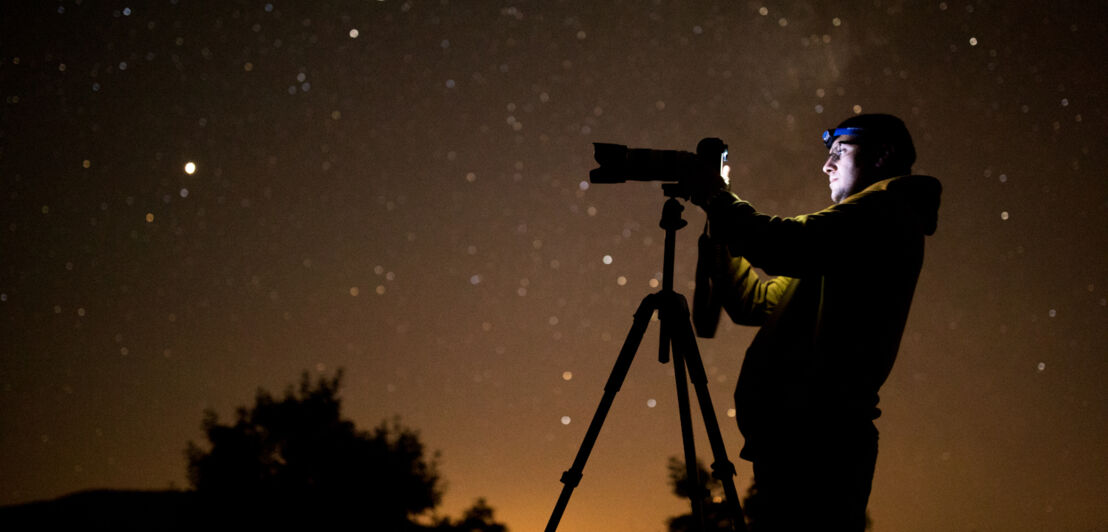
(676, 331)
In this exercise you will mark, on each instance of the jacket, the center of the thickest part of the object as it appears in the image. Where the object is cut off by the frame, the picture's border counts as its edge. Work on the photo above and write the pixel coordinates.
(832, 318)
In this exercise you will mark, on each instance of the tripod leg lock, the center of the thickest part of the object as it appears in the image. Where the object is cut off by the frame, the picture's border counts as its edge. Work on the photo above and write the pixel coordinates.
(571, 478)
(723, 470)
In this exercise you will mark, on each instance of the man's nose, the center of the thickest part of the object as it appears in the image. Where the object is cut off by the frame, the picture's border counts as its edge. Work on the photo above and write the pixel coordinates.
(828, 166)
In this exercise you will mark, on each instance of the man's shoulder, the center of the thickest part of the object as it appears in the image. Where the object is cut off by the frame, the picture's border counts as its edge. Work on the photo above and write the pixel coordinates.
(911, 184)
(913, 194)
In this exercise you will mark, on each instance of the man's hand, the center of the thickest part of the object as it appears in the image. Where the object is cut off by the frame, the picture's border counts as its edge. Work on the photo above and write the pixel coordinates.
(708, 185)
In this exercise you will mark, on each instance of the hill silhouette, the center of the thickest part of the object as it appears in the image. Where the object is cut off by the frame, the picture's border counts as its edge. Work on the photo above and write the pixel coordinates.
(124, 510)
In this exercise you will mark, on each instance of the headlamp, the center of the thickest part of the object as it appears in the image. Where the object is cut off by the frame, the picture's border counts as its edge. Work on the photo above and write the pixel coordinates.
(830, 135)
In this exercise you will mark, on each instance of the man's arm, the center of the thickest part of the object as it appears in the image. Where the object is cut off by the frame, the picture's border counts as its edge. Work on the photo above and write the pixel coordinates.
(748, 299)
(802, 246)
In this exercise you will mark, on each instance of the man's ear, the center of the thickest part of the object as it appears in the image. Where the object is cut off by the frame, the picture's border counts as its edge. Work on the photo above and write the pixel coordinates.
(886, 154)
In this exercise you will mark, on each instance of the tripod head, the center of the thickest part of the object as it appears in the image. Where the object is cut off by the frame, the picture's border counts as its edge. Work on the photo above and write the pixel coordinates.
(674, 190)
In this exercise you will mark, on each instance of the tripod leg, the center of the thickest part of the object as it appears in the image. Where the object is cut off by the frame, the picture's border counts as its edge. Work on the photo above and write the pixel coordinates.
(692, 475)
(722, 469)
(572, 477)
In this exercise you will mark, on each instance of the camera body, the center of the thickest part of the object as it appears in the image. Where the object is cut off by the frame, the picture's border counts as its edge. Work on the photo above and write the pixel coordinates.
(619, 164)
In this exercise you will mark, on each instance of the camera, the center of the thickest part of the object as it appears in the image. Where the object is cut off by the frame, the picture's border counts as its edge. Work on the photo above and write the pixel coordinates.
(619, 164)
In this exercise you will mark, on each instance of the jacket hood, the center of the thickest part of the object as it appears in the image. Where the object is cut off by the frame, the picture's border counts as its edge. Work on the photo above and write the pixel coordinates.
(920, 192)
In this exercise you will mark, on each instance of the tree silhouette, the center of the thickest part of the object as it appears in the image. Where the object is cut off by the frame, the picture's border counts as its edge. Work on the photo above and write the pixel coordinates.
(294, 462)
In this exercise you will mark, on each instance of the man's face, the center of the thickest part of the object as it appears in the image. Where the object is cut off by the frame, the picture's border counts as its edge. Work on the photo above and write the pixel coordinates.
(844, 168)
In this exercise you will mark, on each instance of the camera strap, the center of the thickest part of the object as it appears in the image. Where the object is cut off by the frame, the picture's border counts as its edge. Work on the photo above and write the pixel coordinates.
(707, 302)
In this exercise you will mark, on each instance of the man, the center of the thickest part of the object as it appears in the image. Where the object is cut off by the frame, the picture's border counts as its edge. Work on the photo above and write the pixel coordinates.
(831, 322)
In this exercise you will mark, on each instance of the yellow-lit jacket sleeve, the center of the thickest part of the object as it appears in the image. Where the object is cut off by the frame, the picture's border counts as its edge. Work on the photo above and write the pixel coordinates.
(748, 299)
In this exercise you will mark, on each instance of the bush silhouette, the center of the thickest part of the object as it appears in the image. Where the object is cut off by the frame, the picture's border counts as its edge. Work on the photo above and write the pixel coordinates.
(709, 490)
(716, 516)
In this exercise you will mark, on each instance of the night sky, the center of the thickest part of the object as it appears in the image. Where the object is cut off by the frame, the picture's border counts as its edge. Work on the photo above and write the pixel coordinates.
(200, 198)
